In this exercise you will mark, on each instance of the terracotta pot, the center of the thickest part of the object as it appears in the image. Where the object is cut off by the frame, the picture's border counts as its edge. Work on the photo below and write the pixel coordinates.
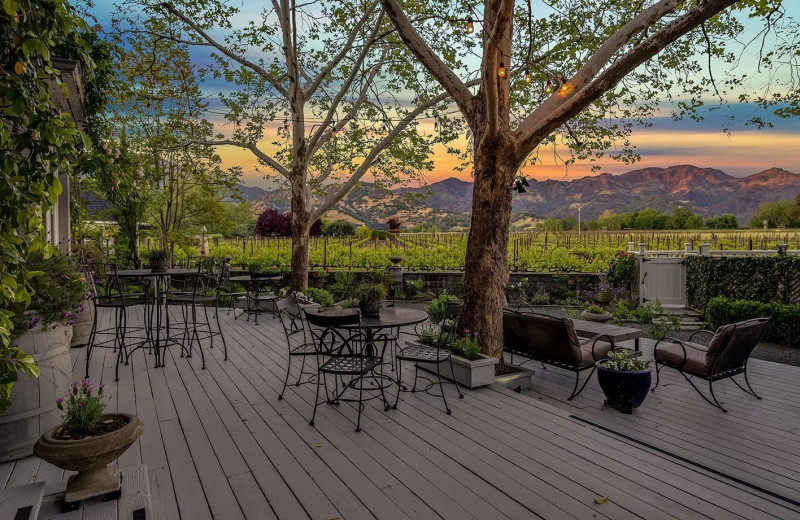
(89, 457)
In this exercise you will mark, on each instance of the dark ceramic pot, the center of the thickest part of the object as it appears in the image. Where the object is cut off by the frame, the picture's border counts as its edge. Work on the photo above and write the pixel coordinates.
(624, 390)
(159, 267)
(369, 308)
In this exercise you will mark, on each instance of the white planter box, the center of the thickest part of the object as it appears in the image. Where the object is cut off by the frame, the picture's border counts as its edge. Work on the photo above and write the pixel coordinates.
(470, 374)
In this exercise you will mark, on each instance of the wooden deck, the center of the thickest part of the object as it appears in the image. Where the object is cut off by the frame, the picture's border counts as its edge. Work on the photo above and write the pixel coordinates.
(218, 444)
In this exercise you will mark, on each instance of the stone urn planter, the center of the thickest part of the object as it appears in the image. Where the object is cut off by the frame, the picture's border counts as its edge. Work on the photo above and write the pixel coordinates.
(624, 390)
(597, 317)
(90, 457)
(470, 374)
(33, 399)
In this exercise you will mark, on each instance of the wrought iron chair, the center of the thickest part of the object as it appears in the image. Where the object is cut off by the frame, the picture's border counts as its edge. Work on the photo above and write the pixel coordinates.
(553, 341)
(725, 356)
(195, 293)
(110, 294)
(436, 350)
(301, 345)
(341, 351)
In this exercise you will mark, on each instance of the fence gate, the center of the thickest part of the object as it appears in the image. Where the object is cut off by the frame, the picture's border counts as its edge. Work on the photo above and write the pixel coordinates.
(662, 278)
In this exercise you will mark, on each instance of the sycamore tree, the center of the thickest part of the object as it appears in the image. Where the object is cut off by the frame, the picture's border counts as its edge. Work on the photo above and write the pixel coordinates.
(333, 79)
(576, 75)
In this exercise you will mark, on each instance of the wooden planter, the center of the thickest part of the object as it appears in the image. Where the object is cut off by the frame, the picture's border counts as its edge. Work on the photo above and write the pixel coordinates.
(470, 374)
(33, 400)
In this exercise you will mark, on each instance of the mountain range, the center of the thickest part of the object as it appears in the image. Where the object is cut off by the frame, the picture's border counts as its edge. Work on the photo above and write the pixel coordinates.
(447, 203)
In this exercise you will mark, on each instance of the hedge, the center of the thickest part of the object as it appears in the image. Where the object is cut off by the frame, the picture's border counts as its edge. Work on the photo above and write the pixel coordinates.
(784, 324)
(766, 279)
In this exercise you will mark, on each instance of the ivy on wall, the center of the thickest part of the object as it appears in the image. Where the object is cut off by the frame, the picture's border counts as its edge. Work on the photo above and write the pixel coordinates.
(772, 279)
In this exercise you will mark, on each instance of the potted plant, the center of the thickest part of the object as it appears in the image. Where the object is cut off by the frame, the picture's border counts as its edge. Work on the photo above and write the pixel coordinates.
(595, 313)
(370, 297)
(471, 369)
(41, 334)
(625, 381)
(87, 441)
(158, 260)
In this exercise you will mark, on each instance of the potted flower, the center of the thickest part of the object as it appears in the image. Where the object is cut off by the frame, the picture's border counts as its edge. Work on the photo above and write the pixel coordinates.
(370, 297)
(42, 334)
(595, 313)
(625, 381)
(88, 440)
(159, 260)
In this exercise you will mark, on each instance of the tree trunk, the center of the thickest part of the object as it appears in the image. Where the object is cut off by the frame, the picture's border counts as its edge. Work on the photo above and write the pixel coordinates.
(486, 270)
(301, 242)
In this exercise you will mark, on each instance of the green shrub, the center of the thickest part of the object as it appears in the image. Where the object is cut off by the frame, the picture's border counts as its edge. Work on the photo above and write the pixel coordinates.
(320, 296)
(619, 360)
(766, 279)
(379, 234)
(783, 317)
(594, 309)
(652, 318)
(338, 228)
(363, 233)
(466, 347)
(344, 283)
(438, 307)
(540, 297)
(371, 293)
(622, 270)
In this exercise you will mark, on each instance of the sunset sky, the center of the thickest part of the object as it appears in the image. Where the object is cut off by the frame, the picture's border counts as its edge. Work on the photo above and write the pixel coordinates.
(741, 151)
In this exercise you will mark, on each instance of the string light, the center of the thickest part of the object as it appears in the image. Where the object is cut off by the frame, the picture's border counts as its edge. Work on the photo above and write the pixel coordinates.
(528, 77)
(501, 71)
(564, 87)
(470, 25)
(436, 122)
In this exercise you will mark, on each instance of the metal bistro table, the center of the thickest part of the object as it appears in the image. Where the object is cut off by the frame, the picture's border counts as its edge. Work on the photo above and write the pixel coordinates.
(389, 318)
(254, 282)
(159, 278)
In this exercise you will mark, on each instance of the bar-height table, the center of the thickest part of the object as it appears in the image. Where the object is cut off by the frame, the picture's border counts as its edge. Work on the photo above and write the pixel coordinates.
(254, 282)
(159, 278)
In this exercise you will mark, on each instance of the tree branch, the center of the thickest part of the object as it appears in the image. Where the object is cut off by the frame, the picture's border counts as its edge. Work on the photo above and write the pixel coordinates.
(537, 129)
(224, 50)
(491, 88)
(437, 68)
(595, 63)
(269, 161)
(345, 188)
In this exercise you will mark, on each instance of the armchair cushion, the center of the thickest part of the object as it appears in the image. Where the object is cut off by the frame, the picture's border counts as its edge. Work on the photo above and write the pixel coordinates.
(601, 350)
(696, 353)
(721, 338)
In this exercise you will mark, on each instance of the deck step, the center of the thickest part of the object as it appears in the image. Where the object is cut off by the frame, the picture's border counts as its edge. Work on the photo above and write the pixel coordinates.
(21, 502)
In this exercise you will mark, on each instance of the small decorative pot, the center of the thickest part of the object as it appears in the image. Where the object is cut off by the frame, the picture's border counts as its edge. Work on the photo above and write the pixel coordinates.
(159, 266)
(369, 308)
(90, 457)
(624, 390)
(596, 317)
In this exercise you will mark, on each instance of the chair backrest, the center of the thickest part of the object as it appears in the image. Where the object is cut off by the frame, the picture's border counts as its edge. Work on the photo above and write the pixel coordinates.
(731, 346)
(544, 338)
(292, 320)
(335, 332)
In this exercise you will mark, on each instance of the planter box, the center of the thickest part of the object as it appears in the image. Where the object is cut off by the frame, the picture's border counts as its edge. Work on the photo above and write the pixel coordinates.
(470, 374)
(515, 377)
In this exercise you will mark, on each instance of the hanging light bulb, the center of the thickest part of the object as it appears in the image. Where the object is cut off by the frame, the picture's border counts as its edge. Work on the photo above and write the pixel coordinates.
(436, 123)
(564, 87)
(501, 70)
(528, 77)
(548, 87)
(470, 25)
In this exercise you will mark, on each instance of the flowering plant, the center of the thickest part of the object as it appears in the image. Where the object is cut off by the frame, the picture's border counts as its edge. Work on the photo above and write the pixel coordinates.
(58, 294)
(82, 407)
(467, 346)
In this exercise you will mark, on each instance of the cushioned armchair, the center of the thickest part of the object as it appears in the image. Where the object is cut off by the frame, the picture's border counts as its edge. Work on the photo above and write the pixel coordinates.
(553, 341)
(724, 356)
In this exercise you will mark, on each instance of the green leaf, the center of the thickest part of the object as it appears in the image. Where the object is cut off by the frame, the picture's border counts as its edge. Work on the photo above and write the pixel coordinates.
(10, 7)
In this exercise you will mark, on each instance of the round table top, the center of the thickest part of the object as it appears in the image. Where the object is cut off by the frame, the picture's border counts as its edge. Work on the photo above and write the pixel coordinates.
(256, 278)
(389, 317)
(131, 273)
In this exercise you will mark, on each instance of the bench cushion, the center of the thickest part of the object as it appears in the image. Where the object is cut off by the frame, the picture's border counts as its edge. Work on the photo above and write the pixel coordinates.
(696, 353)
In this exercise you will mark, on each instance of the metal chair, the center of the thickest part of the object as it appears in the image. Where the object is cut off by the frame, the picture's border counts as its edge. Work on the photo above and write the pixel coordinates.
(438, 352)
(725, 356)
(110, 295)
(301, 345)
(341, 352)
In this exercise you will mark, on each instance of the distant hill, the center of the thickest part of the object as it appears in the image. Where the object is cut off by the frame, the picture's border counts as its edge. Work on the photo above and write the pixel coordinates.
(447, 203)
